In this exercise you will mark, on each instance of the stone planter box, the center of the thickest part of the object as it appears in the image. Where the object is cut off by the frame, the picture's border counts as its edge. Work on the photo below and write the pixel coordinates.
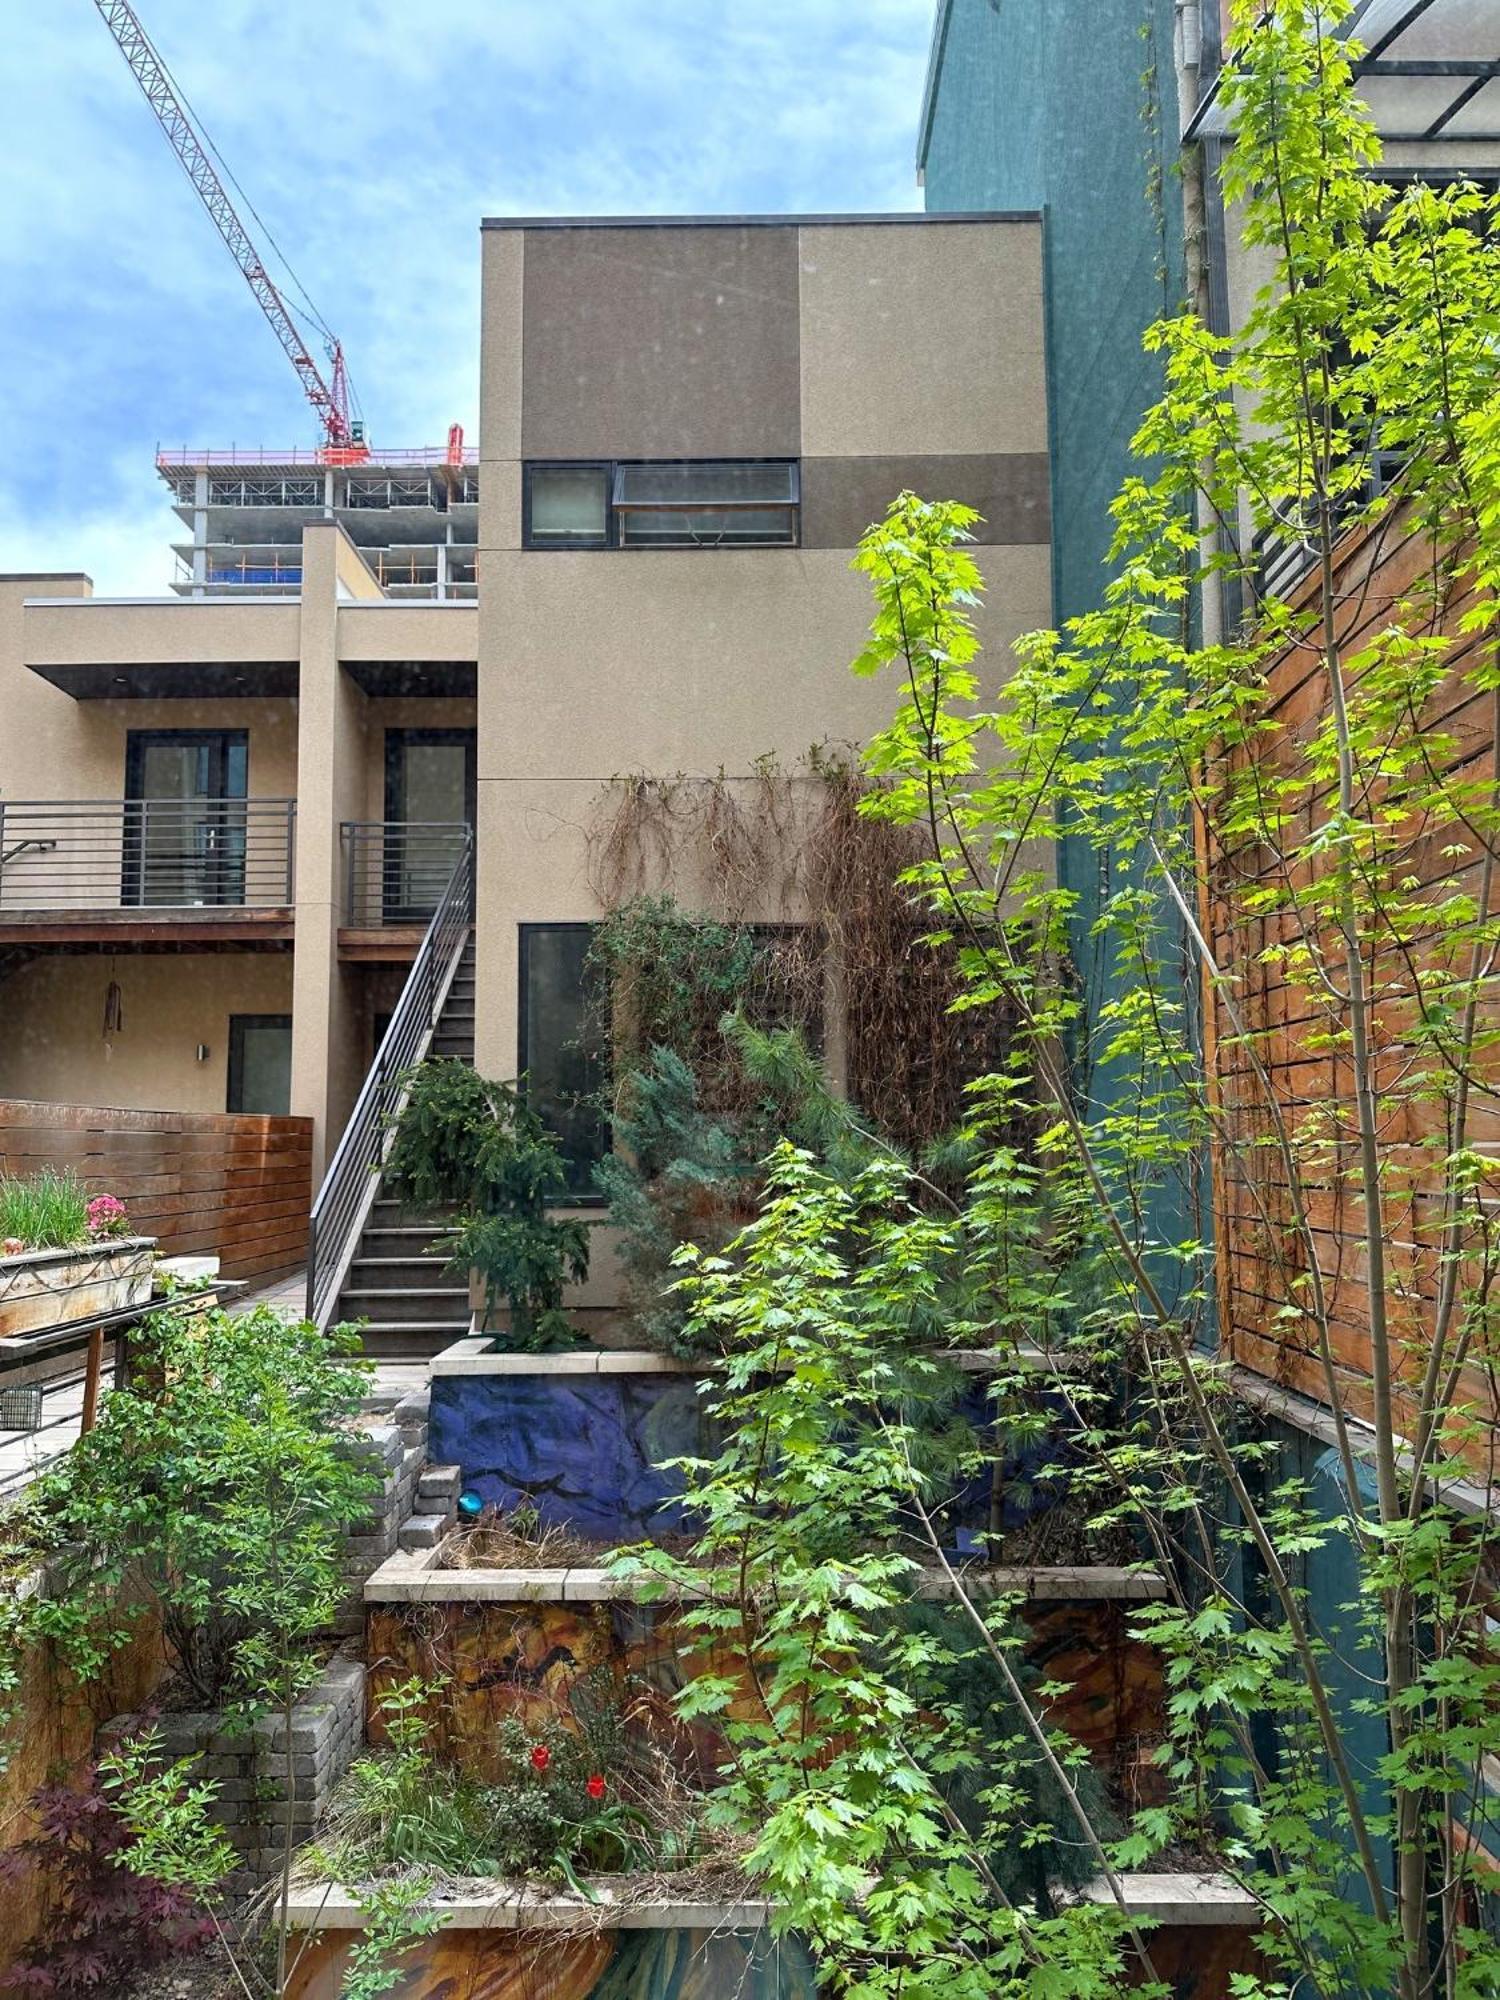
(519, 1937)
(1203, 1928)
(41, 1289)
(585, 1436)
(524, 1938)
(250, 1766)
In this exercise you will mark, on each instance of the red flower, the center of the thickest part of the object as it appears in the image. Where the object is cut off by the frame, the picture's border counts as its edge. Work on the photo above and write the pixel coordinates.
(595, 1787)
(541, 1757)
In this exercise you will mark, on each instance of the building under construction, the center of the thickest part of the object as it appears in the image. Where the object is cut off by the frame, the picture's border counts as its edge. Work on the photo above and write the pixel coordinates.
(413, 515)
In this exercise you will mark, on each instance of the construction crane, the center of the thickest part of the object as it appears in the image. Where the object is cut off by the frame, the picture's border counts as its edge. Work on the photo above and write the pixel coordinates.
(343, 436)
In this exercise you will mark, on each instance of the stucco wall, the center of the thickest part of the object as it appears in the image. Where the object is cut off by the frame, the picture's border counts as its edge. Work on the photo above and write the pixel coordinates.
(53, 747)
(52, 1044)
(594, 664)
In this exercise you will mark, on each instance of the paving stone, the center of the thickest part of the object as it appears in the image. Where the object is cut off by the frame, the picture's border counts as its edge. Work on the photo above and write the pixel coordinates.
(440, 1482)
(423, 1531)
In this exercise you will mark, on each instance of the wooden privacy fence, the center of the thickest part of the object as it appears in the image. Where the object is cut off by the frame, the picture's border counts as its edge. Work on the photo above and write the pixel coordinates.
(223, 1184)
(1395, 574)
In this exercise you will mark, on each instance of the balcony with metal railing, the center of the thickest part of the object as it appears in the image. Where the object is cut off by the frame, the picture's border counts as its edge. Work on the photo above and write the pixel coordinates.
(220, 868)
(394, 875)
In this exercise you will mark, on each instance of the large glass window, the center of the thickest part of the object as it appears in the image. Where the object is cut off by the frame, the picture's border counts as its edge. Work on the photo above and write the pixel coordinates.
(717, 504)
(563, 1059)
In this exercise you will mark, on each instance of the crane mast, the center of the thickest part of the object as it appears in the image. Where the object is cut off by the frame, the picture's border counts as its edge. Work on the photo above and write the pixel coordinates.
(342, 442)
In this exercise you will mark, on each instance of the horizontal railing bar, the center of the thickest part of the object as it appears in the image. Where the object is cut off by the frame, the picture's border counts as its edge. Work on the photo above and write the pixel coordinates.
(151, 805)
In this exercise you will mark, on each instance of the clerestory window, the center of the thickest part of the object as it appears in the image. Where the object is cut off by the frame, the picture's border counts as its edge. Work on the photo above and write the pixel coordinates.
(685, 503)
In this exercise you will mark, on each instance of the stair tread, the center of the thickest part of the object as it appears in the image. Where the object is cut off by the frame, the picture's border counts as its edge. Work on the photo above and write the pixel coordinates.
(428, 1227)
(389, 1263)
(407, 1327)
(405, 1292)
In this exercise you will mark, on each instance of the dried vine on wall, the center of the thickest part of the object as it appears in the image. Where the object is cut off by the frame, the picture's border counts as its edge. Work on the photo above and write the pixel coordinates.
(792, 847)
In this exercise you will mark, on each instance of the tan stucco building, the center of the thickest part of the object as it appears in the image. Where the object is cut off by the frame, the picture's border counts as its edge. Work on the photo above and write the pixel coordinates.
(211, 889)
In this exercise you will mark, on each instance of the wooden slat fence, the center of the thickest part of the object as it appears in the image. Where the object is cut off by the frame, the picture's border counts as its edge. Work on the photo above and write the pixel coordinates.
(222, 1184)
(1382, 578)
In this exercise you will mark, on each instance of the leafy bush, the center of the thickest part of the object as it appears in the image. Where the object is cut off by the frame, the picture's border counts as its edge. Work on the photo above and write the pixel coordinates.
(223, 1477)
(466, 1142)
(46, 1210)
(713, 1063)
(903, 1793)
(992, 1774)
(102, 1922)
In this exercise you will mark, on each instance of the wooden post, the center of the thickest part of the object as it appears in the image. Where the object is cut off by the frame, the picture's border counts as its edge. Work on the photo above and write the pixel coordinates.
(91, 1381)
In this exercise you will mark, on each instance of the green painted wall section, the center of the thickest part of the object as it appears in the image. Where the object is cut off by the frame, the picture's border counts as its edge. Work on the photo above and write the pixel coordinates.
(1070, 107)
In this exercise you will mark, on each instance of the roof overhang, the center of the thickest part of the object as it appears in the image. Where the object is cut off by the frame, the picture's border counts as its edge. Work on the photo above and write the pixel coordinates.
(431, 677)
(174, 680)
(1429, 73)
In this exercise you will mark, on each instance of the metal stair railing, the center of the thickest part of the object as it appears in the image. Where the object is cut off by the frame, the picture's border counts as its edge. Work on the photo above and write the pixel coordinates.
(349, 1187)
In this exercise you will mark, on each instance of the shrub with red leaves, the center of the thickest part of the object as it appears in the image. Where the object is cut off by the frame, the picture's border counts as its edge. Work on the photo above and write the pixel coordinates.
(103, 1923)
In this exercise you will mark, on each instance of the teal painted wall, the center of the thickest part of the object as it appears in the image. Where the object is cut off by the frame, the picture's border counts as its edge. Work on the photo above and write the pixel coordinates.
(1070, 107)
(1049, 104)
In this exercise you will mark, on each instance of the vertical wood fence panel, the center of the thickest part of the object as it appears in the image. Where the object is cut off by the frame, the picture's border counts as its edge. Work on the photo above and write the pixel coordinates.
(1263, 1257)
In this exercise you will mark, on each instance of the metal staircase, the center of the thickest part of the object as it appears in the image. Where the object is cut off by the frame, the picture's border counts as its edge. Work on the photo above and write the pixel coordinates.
(368, 1258)
(397, 1282)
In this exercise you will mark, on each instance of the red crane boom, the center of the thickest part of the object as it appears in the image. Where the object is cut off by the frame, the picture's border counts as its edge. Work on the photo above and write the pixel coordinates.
(151, 73)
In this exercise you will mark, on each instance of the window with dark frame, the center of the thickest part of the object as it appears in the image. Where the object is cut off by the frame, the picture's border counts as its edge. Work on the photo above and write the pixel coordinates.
(260, 1064)
(563, 1060)
(694, 503)
(567, 506)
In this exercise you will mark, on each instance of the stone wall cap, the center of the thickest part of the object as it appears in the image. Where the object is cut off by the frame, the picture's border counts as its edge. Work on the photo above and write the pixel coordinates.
(415, 1577)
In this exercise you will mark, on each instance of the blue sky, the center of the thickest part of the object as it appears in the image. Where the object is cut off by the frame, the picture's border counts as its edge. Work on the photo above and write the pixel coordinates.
(371, 136)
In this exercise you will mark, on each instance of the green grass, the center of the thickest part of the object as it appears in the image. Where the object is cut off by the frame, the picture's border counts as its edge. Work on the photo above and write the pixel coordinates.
(46, 1210)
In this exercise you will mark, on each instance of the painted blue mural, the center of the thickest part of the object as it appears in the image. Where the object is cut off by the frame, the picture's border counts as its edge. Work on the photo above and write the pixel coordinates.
(589, 1452)
(588, 1964)
(585, 1450)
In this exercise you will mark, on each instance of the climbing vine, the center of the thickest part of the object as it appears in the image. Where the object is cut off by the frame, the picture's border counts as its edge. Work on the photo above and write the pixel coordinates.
(842, 951)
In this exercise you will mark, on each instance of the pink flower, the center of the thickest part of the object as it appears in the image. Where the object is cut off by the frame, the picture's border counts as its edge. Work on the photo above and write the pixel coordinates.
(106, 1216)
(596, 1787)
(541, 1757)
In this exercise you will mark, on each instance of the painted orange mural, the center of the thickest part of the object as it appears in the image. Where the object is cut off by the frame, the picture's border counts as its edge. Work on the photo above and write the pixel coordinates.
(599, 1965)
(493, 1661)
(533, 1662)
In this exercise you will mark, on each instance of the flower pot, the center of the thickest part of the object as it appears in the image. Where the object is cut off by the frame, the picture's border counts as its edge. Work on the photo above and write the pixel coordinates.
(40, 1289)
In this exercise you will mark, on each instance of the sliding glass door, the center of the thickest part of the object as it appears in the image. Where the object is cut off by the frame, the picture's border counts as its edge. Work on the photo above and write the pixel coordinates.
(185, 816)
(429, 800)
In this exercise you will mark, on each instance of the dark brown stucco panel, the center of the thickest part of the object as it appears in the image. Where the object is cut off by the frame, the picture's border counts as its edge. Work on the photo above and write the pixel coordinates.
(661, 343)
(842, 496)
